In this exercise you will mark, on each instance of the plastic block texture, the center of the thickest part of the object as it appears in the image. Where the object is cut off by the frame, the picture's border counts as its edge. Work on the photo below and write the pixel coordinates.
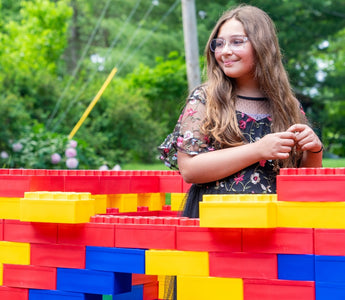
(177, 200)
(330, 269)
(296, 267)
(115, 259)
(254, 289)
(34, 277)
(124, 202)
(311, 214)
(60, 295)
(14, 253)
(311, 188)
(9, 208)
(234, 211)
(145, 236)
(53, 207)
(154, 201)
(165, 262)
(82, 184)
(328, 290)
(194, 238)
(14, 185)
(206, 288)
(330, 242)
(9, 293)
(93, 282)
(243, 265)
(137, 293)
(1, 230)
(89, 234)
(278, 240)
(30, 232)
(57, 255)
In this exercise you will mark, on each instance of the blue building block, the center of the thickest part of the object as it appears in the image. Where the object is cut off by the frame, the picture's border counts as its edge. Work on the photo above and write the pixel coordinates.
(330, 268)
(93, 282)
(115, 259)
(60, 295)
(137, 293)
(329, 291)
(296, 267)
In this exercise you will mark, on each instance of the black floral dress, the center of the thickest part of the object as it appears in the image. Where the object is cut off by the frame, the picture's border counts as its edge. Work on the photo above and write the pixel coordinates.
(258, 178)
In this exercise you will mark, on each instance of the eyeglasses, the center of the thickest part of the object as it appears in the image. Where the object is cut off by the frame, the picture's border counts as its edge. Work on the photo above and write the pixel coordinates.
(235, 43)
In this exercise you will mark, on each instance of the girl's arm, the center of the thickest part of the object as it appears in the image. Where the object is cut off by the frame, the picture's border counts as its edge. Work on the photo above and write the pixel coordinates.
(215, 165)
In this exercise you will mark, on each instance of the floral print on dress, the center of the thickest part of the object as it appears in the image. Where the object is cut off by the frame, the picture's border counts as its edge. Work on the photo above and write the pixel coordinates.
(258, 178)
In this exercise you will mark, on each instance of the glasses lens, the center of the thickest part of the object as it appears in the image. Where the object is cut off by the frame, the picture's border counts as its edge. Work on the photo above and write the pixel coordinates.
(217, 44)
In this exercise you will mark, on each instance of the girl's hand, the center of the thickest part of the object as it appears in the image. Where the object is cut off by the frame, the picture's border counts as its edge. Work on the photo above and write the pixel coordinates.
(276, 145)
(305, 137)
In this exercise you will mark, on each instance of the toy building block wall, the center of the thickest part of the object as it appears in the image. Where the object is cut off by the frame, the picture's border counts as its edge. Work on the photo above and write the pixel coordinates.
(114, 237)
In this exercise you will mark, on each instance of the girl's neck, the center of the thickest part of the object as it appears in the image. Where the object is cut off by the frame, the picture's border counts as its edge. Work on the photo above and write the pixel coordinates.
(248, 88)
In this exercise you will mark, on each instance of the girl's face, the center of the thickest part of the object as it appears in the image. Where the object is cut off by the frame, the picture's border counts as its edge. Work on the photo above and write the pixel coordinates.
(236, 57)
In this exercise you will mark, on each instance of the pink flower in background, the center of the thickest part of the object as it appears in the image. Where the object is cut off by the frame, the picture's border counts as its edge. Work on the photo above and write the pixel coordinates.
(72, 163)
(73, 144)
(103, 168)
(17, 147)
(55, 158)
(4, 155)
(71, 152)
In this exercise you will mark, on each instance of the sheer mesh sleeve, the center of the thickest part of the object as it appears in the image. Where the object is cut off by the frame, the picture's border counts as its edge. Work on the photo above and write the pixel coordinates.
(186, 136)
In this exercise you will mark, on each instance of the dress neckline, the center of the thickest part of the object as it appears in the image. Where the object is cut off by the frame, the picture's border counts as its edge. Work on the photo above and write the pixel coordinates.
(252, 98)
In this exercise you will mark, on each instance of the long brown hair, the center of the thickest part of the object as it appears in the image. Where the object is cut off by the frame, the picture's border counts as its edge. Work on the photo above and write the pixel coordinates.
(220, 122)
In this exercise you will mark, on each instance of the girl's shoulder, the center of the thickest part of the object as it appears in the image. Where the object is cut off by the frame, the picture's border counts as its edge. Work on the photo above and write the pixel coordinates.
(198, 94)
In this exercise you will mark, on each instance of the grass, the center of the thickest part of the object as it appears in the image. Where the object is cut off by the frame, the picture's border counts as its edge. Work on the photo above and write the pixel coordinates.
(327, 163)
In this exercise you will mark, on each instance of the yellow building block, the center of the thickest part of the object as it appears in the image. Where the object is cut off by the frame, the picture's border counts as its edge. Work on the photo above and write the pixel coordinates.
(124, 202)
(100, 204)
(311, 214)
(14, 253)
(9, 208)
(177, 201)
(238, 211)
(154, 201)
(57, 207)
(169, 262)
(206, 288)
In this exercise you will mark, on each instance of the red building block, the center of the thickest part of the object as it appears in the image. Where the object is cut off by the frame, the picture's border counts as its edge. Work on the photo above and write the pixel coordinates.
(254, 289)
(194, 238)
(88, 234)
(144, 184)
(57, 255)
(10, 293)
(49, 183)
(170, 182)
(14, 185)
(243, 265)
(150, 291)
(315, 188)
(145, 236)
(25, 276)
(278, 240)
(29, 232)
(82, 184)
(330, 242)
(138, 279)
(119, 184)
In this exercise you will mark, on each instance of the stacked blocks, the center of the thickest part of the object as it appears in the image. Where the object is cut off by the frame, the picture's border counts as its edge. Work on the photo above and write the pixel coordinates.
(110, 235)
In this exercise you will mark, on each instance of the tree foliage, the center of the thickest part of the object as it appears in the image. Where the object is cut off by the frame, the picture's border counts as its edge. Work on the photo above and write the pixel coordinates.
(56, 54)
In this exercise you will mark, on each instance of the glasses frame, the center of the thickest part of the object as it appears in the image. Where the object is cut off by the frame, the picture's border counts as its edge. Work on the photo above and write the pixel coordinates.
(228, 44)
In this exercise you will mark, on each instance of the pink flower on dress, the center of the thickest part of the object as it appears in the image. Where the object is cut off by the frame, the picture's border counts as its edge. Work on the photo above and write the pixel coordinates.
(262, 163)
(238, 178)
(179, 141)
(242, 124)
(191, 112)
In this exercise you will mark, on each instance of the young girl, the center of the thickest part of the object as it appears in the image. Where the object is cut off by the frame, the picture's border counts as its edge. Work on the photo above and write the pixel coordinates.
(244, 124)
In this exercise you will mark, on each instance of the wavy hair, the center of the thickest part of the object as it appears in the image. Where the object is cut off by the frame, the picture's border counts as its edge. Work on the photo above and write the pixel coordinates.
(220, 122)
